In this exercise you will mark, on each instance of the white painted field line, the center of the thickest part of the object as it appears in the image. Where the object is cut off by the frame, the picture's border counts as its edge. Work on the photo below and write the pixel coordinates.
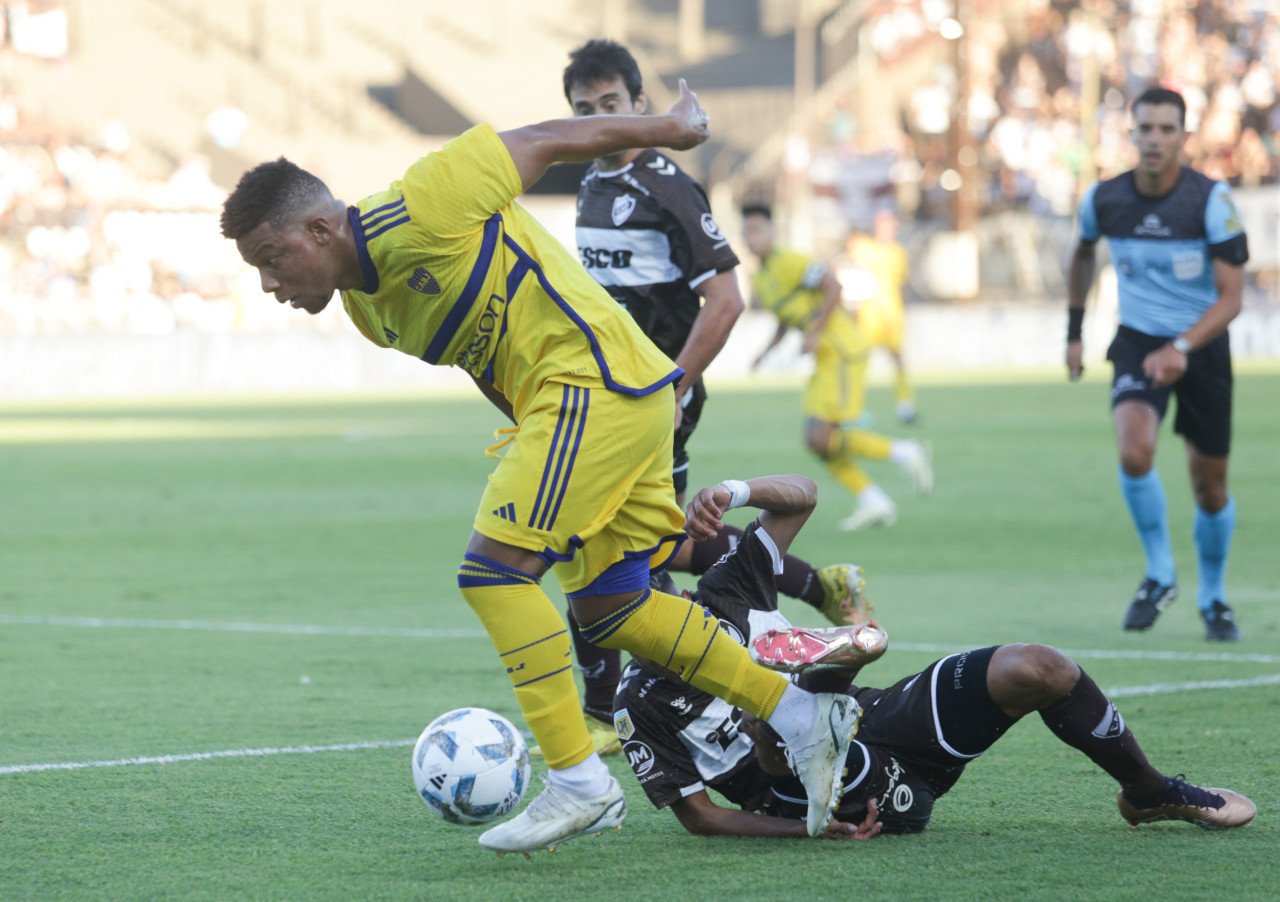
(1128, 654)
(208, 756)
(1167, 688)
(477, 633)
(225, 627)
(1118, 692)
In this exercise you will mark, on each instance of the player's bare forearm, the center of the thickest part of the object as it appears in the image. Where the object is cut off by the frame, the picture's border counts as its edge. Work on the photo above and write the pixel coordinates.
(496, 398)
(702, 817)
(534, 148)
(778, 334)
(785, 501)
(1079, 280)
(1229, 280)
(830, 300)
(722, 305)
(1080, 273)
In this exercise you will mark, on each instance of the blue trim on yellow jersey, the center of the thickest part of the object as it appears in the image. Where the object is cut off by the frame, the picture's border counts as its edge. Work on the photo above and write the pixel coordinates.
(383, 213)
(362, 251)
(470, 292)
(609, 381)
(569, 427)
(514, 278)
(573, 455)
(387, 226)
(551, 557)
(644, 556)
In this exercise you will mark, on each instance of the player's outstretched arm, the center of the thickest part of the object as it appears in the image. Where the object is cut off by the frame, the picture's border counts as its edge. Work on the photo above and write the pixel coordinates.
(722, 305)
(830, 300)
(583, 138)
(786, 502)
(1079, 280)
(703, 817)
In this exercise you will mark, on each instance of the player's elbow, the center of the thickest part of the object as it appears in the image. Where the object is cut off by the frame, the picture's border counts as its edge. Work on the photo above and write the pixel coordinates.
(808, 490)
(698, 825)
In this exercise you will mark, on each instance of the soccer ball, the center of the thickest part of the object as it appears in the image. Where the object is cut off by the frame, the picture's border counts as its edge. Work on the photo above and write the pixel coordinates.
(471, 765)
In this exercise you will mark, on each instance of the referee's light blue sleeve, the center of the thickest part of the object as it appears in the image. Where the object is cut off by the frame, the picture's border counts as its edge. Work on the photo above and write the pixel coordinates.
(1088, 217)
(1221, 219)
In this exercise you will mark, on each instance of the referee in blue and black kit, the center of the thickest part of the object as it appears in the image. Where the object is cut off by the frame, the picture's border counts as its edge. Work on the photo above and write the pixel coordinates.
(1179, 250)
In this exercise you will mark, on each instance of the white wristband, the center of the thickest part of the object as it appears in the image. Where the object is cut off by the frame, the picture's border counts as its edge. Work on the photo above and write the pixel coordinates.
(739, 492)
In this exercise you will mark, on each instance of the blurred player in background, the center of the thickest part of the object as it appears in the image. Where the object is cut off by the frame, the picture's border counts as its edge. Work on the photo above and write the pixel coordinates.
(916, 737)
(883, 263)
(645, 232)
(803, 294)
(1179, 250)
(445, 266)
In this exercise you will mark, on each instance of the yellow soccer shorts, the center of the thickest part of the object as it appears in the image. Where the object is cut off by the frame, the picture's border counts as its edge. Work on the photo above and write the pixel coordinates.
(585, 482)
(881, 324)
(837, 389)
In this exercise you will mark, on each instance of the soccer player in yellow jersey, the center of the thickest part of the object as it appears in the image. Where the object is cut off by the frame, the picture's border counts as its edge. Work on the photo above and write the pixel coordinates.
(446, 266)
(803, 294)
(879, 310)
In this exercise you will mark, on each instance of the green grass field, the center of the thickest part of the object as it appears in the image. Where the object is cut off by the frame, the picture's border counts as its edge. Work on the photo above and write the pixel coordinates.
(159, 561)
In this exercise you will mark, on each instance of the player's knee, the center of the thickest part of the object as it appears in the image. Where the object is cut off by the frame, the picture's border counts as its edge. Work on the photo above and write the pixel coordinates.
(479, 577)
(1136, 459)
(1210, 495)
(1041, 670)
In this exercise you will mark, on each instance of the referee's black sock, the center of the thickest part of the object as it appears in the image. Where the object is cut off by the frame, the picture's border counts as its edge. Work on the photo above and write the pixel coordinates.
(1086, 719)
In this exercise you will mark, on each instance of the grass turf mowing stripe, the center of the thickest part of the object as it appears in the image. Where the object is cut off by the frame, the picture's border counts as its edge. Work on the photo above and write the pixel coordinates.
(222, 627)
(306, 629)
(1117, 692)
(208, 756)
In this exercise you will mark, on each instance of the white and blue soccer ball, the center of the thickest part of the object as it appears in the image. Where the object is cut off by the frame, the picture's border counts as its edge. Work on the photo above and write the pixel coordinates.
(471, 766)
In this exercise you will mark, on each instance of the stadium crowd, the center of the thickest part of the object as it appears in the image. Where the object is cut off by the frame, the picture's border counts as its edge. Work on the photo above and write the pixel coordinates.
(1028, 85)
(91, 240)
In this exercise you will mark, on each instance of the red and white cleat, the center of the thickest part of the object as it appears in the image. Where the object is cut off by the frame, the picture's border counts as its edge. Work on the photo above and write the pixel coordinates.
(801, 650)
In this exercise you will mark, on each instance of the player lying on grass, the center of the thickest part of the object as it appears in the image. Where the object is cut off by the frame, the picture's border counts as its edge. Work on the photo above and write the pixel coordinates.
(915, 737)
(444, 265)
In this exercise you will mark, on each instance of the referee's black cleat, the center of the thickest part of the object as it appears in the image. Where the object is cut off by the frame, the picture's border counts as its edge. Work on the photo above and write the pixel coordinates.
(1150, 599)
(1220, 623)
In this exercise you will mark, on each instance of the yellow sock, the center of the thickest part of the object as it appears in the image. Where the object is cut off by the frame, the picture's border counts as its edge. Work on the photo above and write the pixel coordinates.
(849, 474)
(686, 639)
(533, 642)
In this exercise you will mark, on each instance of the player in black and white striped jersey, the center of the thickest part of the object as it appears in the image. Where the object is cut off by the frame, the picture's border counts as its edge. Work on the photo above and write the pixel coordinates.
(915, 738)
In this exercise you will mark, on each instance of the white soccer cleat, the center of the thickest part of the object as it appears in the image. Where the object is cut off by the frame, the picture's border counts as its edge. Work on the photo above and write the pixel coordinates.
(919, 466)
(869, 514)
(555, 816)
(819, 761)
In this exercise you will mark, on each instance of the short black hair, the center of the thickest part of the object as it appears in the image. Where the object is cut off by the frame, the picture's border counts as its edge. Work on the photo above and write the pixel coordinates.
(1158, 96)
(600, 60)
(757, 210)
(269, 192)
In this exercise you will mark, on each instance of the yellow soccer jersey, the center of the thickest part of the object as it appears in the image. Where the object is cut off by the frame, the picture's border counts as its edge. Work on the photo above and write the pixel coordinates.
(789, 284)
(887, 263)
(458, 274)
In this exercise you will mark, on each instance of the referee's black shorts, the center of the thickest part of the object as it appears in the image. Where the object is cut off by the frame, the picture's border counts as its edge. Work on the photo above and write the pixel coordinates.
(1203, 393)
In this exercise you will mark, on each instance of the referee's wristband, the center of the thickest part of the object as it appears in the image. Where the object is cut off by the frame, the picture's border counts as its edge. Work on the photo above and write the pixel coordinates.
(1075, 319)
(739, 492)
